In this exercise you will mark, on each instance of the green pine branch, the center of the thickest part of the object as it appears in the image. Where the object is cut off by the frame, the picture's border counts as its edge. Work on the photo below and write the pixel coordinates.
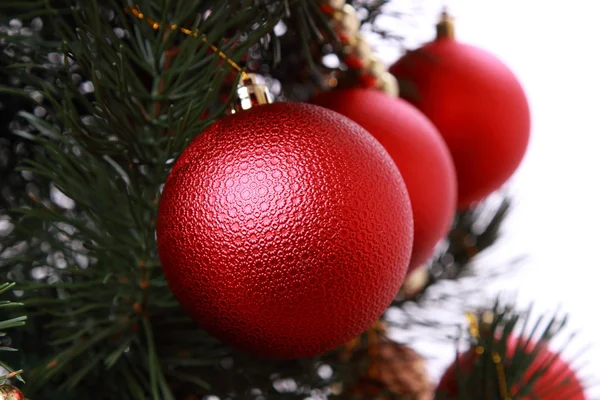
(5, 341)
(104, 322)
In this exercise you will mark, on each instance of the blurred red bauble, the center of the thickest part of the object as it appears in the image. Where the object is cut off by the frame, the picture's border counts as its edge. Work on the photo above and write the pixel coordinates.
(477, 104)
(557, 382)
(418, 150)
(285, 230)
(8, 392)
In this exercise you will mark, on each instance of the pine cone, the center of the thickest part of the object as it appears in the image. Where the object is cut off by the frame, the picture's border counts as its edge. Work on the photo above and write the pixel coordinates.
(395, 372)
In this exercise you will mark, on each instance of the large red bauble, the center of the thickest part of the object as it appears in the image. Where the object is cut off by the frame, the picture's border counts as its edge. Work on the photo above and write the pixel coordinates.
(479, 107)
(285, 230)
(557, 382)
(418, 150)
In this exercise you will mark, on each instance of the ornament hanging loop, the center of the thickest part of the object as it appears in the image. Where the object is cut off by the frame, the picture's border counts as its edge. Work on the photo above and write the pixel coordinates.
(251, 92)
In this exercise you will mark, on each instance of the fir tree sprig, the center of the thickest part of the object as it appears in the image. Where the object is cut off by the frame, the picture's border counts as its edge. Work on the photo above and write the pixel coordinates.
(118, 114)
(5, 341)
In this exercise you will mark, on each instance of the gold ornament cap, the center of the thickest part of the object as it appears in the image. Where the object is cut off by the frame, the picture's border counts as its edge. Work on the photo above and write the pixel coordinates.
(251, 92)
(445, 26)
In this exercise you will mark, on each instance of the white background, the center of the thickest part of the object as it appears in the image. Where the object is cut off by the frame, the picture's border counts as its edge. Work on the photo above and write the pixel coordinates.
(554, 49)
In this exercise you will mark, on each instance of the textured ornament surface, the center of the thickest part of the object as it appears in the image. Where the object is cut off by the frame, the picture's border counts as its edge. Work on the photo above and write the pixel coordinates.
(285, 230)
(554, 378)
(418, 150)
(479, 107)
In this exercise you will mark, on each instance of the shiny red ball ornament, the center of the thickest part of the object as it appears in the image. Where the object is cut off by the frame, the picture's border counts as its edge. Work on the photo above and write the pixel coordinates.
(285, 230)
(557, 381)
(477, 104)
(418, 150)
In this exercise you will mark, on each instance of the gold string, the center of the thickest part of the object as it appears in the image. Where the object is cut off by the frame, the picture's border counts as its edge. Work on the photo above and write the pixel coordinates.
(480, 350)
(501, 376)
(155, 25)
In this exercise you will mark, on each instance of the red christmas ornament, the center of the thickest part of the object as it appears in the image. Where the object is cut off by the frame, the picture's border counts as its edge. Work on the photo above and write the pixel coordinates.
(419, 152)
(285, 230)
(477, 104)
(557, 382)
(9, 392)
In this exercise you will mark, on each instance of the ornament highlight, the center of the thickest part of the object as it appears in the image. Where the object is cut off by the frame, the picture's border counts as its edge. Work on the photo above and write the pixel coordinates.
(477, 104)
(419, 152)
(285, 230)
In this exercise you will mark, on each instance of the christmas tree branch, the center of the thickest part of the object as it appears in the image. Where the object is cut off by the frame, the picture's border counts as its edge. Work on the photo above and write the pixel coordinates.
(5, 341)
(122, 98)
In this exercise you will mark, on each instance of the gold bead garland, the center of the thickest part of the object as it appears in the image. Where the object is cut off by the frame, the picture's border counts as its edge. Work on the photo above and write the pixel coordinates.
(349, 21)
(357, 53)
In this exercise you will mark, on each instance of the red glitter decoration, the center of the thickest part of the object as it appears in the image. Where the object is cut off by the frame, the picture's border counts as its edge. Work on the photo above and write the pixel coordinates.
(354, 62)
(327, 9)
(479, 107)
(419, 152)
(368, 81)
(285, 230)
(344, 38)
